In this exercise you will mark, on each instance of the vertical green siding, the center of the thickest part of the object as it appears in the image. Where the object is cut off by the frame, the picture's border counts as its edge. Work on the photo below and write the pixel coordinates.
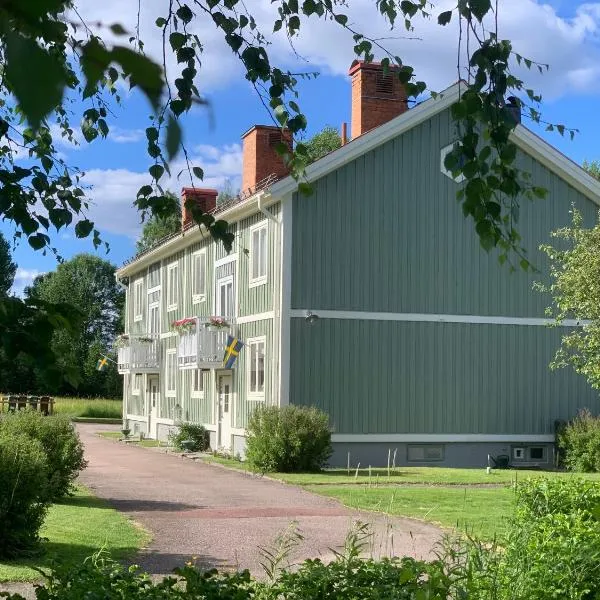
(408, 377)
(385, 233)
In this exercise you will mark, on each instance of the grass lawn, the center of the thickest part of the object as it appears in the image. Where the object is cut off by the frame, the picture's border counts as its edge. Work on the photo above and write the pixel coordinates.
(75, 529)
(117, 435)
(89, 407)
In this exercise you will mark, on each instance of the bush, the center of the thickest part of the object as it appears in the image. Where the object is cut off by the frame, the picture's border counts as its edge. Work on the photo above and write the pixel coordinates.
(23, 494)
(288, 439)
(580, 443)
(194, 433)
(61, 444)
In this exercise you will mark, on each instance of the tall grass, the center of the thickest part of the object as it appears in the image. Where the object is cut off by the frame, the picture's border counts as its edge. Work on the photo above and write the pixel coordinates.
(98, 408)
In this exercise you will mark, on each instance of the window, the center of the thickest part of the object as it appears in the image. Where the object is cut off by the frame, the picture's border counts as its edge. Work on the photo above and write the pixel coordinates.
(224, 307)
(444, 152)
(199, 276)
(537, 453)
(258, 254)
(138, 300)
(171, 388)
(172, 287)
(197, 383)
(136, 384)
(153, 319)
(256, 367)
(425, 453)
(519, 453)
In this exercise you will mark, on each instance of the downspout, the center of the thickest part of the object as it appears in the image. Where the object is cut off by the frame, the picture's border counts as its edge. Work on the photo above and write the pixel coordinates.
(126, 381)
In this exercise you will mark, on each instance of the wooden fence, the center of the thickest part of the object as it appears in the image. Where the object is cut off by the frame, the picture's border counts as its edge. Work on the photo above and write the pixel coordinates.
(44, 404)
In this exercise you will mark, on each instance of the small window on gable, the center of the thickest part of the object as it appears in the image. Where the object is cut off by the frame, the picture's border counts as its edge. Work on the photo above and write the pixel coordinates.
(425, 453)
(138, 300)
(444, 152)
(199, 276)
(256, 367)
(197, 383)
(258, 254)
(172, 287)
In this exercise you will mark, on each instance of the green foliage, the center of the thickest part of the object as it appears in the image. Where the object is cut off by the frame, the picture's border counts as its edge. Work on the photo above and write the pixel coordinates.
(196, 434)
(288, 439)
(160, 226)
(23, 493)
(593, 168)
(574, 267)
(580, 443)
(87, 284)
(322, 143)
(7, 267)
(60, 443)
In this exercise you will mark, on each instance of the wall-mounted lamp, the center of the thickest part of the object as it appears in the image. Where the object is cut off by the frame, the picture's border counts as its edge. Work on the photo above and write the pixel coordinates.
(311, 317)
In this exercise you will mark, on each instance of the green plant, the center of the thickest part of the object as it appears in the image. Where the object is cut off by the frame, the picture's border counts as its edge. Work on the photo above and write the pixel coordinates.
(23, 494)
(579, 441)
(196, 434)
(288, 439)
(61, 444)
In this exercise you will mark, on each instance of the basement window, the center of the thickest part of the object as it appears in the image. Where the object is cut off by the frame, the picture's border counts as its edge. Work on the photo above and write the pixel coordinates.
(519, 453)
(425, 453)
(537, 453)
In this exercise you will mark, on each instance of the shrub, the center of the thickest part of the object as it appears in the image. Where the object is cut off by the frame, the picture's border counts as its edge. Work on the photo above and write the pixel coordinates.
(61, 444)
(580, 443)
(194, 433)
(288, 439)
(23, 495)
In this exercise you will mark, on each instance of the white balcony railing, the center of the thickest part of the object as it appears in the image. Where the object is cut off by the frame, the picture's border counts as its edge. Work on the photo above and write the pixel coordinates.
(139, 353)
(202, 346)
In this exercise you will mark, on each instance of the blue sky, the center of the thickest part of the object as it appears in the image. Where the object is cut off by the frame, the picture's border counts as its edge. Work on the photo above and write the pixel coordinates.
(563, 33)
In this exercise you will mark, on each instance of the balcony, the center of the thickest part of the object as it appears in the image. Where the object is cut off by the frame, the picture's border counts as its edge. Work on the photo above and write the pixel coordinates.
(202, 344)
(139, 353)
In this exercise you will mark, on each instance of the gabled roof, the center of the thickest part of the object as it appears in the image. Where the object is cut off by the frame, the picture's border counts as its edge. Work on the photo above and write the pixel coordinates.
(526, 140)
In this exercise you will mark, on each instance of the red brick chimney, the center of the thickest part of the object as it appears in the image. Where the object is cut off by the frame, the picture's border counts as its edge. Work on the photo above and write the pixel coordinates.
(259, 159)
(204, 198)
(376, 98)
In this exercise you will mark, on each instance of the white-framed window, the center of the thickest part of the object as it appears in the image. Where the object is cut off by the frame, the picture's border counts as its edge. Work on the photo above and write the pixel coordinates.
(136, 384)
(138, 300)
(197, 383)
(256, 366)
(425, 452)
(171, 374)
(443, 153)
(154, 318)
(224, 305)
(199, 276)
(172, 286)
(258, 254)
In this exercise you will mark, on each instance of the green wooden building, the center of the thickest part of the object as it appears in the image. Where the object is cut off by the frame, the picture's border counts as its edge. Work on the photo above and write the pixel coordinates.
(370, 299)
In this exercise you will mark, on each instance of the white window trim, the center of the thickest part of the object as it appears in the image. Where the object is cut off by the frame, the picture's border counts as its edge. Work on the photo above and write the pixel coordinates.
(443, 153)
(256, 281)
(249, 342)
(149, 324)
(137, 299)
(136, 391)
(197, 393)
(172, 267)
(222, 281)
(171, 393)
(198, 298)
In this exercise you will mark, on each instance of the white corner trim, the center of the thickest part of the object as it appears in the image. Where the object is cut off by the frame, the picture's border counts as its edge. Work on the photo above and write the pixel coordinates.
(557, 162)
(432, 318)
(441, 437)
(287, 213)
(255, 317)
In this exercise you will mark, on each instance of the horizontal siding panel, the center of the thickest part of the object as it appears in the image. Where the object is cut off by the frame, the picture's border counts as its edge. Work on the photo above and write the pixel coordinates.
(411, 377)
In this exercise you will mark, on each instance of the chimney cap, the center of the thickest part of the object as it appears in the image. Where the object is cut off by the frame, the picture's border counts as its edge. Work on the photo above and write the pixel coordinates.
(269, 127)
(358, 65)
(199, 191)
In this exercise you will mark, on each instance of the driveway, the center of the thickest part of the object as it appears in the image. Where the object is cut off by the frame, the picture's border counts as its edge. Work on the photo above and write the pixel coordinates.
(223, 517)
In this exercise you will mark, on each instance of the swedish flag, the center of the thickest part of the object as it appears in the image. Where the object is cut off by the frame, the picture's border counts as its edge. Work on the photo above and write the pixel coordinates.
(102, 363)
(232, 351)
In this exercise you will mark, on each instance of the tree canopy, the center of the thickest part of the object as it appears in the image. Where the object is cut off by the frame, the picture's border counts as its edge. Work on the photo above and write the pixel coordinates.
(322, 143)
(158, 227)
(8, 268)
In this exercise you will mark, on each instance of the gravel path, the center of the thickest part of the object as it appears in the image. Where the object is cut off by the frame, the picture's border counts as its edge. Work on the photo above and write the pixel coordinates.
(221, 516)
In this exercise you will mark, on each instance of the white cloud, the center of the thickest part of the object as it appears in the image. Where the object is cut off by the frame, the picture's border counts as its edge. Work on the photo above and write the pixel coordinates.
(569, 45)
(114, 190)
(24, 278)
(125, 136)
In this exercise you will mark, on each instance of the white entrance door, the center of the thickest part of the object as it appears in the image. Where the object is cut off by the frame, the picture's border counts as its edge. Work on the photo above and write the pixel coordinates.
(153, 402)
(225, 408)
